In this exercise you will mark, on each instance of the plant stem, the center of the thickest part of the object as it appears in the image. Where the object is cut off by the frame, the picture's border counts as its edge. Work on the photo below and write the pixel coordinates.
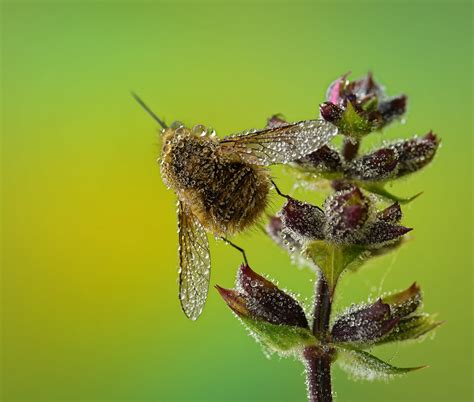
(322, 308)
(318, 374)
(350, 149)
(318, 358)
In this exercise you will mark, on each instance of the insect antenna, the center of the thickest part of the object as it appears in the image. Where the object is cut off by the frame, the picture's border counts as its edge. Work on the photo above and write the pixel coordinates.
(238, 248)
(148, 110)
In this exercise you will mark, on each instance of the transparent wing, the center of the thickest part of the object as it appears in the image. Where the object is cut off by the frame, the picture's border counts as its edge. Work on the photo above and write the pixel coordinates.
(194, 263)
(281, 144)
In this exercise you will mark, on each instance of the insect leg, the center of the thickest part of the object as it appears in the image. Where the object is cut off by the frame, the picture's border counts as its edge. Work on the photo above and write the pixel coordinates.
(278, 190)
(236, 247)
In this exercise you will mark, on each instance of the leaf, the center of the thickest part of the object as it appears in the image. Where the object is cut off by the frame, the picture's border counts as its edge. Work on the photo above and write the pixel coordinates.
(378, 188)
(354, 256)
(363, 365)
(410, 328)
(333, 259)
(279, 338)
(353, 124)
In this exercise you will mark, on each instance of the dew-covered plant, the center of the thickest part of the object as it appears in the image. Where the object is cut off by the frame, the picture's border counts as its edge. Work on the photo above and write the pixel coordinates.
(359, 220)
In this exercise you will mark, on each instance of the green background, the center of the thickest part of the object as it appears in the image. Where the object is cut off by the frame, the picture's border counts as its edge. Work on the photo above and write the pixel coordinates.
(89, 294)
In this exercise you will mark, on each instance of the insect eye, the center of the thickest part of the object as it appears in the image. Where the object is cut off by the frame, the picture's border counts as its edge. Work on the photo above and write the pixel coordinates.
(176, 124)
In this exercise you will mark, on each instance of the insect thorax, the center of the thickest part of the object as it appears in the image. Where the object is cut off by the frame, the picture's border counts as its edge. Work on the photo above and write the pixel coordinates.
(225, 194)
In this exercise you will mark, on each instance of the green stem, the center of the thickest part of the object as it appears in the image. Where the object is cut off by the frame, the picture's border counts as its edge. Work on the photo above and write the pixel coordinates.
(322, 308)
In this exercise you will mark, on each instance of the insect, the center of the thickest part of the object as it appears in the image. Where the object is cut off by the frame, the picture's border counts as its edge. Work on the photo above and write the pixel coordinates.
(222, 186)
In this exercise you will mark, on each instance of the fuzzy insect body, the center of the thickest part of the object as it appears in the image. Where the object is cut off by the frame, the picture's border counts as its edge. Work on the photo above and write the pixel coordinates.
(222, 186)
(224, 193)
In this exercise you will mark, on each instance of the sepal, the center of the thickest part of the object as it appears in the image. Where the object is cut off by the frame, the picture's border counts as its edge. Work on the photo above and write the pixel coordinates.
(365, 366)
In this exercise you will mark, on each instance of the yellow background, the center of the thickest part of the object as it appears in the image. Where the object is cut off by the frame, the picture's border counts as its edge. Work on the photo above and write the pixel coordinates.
(89, 295)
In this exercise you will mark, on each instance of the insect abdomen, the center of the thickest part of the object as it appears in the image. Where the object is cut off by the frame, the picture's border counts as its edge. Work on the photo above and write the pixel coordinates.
(227, 196)
(236, 198)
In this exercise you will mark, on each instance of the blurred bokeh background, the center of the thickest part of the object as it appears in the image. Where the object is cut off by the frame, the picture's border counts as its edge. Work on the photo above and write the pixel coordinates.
(89, 246)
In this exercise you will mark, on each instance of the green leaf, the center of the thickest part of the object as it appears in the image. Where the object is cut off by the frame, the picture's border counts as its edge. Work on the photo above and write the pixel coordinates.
(354, 256)
(371, 105)
(353, 124)
(378, 188)
(333, 259)
(363, 365)
(283, 339)
(410, 328)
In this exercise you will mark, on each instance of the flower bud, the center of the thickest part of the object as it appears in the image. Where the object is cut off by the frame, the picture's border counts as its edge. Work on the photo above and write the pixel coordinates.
(364, 325)
(257, 298)
(284, 238)
(381, 233)
(377, 166)
(405, 302)
(365, 87)
(372, 323)
(392, 108)
(336, 89)
(331, 112)
(361, 106)
(346, 213)
(415, 153)
(303, 219)
(391, 214)
(324, 160)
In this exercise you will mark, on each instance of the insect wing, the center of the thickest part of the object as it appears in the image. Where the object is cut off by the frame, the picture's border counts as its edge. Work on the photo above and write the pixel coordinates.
(281, 144)
(194, 263)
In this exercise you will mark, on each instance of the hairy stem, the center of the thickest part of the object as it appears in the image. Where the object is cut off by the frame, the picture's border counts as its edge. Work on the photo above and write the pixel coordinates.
(318, 374)
(318, 358)
(322, 308)
(350, 149)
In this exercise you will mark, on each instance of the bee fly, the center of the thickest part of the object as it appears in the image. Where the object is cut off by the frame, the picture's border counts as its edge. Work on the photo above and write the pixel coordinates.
(222, 186)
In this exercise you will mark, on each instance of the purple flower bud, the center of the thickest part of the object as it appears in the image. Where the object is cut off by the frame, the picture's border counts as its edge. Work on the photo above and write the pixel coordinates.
(336, 89)
(346, 220)
(280, 236)
(385, 320)
(415, 153)
(303, 219)
(346, 213)
(324, 160)
(377, 166)
(405, 302)
(331, 112)
(364, 325)
(365, 87)
(235, 301)
(392, 108)
(360, 106)
(259, 299)
(381, 233)
(391, 214)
